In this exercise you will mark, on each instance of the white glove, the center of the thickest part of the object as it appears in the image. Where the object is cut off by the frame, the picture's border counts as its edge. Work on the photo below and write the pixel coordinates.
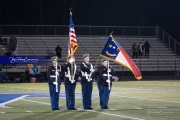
(71, 60)
(89, 79)
(72, 81)
(55, 83)
(57, 73)
(109, 70)
(108, 81)
(92, 70)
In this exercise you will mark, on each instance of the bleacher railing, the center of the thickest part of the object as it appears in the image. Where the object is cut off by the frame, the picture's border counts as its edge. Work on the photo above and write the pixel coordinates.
(171, 43)
(80, 30)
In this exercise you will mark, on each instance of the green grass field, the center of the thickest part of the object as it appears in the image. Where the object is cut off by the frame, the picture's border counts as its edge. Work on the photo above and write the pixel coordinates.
(129, 100)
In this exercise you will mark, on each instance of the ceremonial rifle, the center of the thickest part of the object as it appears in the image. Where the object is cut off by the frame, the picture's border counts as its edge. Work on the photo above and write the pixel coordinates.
(109, 81)
(56, 78)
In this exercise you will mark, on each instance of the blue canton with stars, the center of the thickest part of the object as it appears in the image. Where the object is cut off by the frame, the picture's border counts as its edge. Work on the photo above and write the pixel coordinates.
(111, 49)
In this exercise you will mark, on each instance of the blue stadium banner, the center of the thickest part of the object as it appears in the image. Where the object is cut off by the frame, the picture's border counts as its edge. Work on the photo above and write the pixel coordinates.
(23, 59)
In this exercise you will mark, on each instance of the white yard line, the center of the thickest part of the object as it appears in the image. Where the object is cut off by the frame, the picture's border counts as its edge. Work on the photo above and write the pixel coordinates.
(122, 116)
(36, 102)
(2, 105)
(150, 99)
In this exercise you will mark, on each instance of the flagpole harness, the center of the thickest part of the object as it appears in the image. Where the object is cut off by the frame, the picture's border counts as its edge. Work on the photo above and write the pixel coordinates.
(88, 76)
(69, 75)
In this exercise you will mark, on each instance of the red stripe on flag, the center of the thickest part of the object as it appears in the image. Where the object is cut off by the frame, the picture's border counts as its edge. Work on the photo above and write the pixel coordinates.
(134, 68)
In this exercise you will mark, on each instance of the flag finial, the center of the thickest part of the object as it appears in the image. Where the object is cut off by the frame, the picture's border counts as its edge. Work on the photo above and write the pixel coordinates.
(70, 9)
(111, 34)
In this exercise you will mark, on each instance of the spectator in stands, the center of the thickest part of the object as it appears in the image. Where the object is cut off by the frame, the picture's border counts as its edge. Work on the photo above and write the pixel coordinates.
(134, 48)
(5, 41)
(2, 51)
(10, 43)
(36, 71)
(26, 73)
(58, 51)
(16, 45)
(13, 43)
(140, 49)
(31, 72)
(1, 40)
(147, 47)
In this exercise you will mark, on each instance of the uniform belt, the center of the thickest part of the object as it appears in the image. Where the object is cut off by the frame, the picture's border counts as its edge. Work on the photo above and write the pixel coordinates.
(52, 76)
(86, 75)
(107, 75)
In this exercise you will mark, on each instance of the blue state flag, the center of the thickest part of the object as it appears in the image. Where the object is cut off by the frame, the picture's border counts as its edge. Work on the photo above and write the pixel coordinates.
(114, 51)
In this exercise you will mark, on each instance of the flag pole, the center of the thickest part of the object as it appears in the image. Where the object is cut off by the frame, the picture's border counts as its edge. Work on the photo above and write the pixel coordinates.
(94, 67)
(72, 76)
(96, 62)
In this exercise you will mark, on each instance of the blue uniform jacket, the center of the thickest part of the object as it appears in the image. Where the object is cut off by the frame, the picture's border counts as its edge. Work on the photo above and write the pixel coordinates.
(65, 69)
(51, 72)
(101, 71)
(85, 68)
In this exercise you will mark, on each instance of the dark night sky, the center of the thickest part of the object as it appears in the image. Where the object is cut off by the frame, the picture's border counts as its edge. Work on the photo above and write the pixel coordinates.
(165, 13)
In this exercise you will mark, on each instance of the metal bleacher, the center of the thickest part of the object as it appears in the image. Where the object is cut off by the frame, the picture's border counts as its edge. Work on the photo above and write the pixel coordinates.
(161, 57)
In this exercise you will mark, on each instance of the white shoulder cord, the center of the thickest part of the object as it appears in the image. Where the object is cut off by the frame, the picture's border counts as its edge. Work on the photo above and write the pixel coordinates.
(69, 75)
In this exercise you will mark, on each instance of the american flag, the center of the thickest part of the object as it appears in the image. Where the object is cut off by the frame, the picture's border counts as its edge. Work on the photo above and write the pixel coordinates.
(72, 44)
(113, 51)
